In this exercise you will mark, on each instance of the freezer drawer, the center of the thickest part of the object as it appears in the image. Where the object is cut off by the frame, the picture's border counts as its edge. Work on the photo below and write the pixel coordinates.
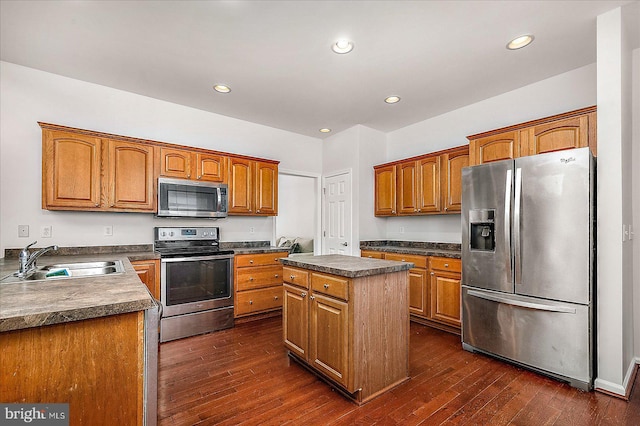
(552, 337)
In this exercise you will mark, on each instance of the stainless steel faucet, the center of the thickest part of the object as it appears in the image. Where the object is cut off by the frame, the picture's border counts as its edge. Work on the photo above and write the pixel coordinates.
(28, 260)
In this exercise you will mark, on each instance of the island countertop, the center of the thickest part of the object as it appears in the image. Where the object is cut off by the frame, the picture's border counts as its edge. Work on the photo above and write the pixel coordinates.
(346, 266)
(25, 304)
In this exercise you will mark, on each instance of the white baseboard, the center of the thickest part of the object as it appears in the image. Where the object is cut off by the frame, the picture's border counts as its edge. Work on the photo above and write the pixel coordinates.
(624, 389)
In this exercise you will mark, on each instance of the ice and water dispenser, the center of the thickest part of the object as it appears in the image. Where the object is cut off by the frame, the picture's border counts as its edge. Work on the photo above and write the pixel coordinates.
(482, 235)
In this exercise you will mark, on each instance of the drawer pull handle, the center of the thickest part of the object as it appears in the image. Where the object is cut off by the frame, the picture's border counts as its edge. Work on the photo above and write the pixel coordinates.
(251, 302)
(326, 286)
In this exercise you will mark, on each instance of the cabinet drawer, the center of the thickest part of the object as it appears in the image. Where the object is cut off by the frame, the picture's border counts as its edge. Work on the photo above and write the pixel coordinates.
(261, 276)
(330, 285)
(445, 264)
(419, 261)
(372, 254)
(252, 301)
(296, 276)
(259, 259)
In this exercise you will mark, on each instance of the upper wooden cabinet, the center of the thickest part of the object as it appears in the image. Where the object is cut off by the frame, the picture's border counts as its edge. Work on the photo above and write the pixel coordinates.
(253, 187)
(573, 129)
(70, 171)
(385, 190)
(451, 172)
(82, 172)
(185, 164)
(428, 184)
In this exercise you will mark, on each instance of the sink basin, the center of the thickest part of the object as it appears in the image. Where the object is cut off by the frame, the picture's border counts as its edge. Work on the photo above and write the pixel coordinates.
(85, 265)
(75, 270)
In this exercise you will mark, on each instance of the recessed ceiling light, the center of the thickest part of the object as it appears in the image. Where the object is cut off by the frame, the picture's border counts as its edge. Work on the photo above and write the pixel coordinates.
(392, 99)
(325, 130)
(221, 88)
(342, 46)
(520, 42)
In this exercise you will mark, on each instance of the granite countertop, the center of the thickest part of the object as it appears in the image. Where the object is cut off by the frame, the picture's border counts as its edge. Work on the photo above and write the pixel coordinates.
(449, 250)
(346, 266)
(26, 304)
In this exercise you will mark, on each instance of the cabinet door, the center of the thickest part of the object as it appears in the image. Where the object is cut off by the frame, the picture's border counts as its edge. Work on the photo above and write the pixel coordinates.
(453, 163)
(445, 297)
(407, 187)
(210, 167)
(131, 177)
(266, 189)
(494, 148)
(175, 163)
(149, 273)
(71, 171)
(295, 320)
(385, 191)
(329, 338)
(428, 185)
(559, 135)
(418, 292)
(240, 186)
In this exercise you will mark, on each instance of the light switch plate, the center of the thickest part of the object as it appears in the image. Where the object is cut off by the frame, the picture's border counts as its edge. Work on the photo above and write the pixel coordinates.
(108, 231)
(45, 231)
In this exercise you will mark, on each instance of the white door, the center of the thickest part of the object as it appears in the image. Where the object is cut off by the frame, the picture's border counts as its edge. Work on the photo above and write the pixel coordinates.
(337, 214)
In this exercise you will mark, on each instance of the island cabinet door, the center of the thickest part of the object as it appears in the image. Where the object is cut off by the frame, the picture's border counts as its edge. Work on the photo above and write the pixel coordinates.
(329, 338)
(295, 320)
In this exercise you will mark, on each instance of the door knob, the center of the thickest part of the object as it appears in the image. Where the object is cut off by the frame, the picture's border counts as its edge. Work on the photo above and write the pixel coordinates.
(345, 244)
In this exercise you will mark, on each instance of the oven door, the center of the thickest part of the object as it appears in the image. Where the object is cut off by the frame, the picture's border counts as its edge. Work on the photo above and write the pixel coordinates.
(194, 284)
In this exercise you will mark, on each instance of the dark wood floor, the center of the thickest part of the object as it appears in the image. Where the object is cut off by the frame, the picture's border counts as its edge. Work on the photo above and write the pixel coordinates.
(243, 376)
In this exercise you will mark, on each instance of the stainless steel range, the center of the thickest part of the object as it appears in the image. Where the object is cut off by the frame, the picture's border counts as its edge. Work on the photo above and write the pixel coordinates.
(196, 282)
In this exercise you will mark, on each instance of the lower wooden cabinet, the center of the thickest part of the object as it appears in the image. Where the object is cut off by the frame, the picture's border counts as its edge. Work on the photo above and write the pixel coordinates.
(257, 282)
(434, 288)
(352, 331)
(149, 273)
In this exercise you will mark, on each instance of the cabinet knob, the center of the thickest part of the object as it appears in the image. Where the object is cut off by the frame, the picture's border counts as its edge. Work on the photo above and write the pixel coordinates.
(419, 210)
(393, 211)
(275, 297)
(276, 275)
(97, 204)
(446, 208)
(292, 277)
(199, 177)
(258, 211)
(250, 278)
(251, 261)
(312, 297)
(446, 265)
(326, 286)
(303, 294)
(251, 302)
(189, 176)
(432, 273)
(415, 210)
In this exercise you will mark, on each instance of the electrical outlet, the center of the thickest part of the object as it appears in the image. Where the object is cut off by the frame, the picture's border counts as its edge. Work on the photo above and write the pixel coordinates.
(23, 231)
(402, 229)
(108, 231)
(45, 231)
(252, 230)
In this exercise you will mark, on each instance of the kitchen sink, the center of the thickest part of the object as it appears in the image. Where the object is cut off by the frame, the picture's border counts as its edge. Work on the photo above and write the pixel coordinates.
(60, 271)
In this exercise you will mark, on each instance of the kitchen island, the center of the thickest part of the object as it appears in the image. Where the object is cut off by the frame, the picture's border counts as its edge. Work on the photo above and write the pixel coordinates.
(346, 319)
(87, 341)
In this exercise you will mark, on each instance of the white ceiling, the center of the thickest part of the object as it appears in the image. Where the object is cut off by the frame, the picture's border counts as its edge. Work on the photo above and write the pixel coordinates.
(275, 55)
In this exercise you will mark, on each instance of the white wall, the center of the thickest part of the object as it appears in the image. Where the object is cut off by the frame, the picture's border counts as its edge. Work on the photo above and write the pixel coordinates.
(565, 92)
(615, 315)
(373, 150)
(636, 201)
(297, 201)
(29, 95)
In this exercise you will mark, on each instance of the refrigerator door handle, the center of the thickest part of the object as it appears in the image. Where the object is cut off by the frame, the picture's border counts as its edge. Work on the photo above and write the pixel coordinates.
(516, 227)
(507, 220)
(521, 303)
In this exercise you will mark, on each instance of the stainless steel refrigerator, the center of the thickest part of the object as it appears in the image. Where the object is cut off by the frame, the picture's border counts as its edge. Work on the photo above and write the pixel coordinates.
(528, 250)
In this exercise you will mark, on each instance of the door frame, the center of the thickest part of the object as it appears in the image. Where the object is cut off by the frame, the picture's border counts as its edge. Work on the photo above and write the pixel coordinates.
(349, 172)
(317, 237)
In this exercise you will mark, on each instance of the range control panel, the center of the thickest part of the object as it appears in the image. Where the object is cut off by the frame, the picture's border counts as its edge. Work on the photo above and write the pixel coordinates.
(196, 233)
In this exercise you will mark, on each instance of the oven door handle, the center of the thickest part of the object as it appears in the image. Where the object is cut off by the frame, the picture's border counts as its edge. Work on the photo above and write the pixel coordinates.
(196, 258)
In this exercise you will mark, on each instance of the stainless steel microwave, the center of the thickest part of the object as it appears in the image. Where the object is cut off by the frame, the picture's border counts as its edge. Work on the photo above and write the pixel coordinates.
(187, 198)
